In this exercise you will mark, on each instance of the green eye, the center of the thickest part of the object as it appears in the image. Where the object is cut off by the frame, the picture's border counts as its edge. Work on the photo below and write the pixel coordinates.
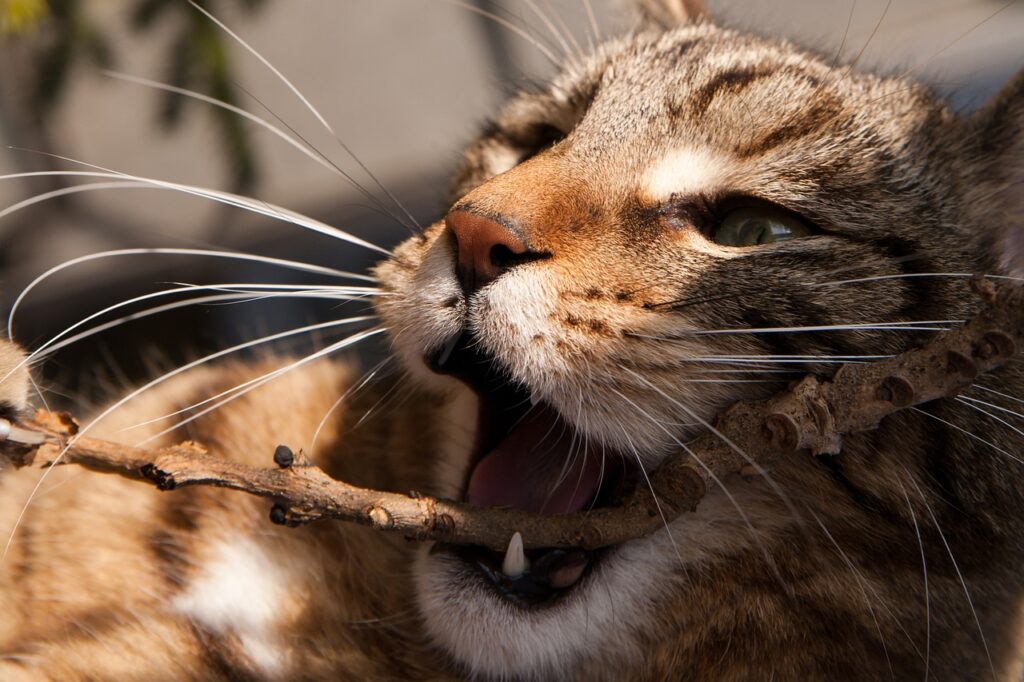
(755, 226)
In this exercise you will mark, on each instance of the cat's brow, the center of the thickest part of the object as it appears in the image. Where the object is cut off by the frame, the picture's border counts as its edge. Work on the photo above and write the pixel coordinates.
(685, 171)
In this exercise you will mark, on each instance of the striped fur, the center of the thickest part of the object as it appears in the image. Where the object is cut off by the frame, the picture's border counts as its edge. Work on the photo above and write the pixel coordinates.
(613, 172)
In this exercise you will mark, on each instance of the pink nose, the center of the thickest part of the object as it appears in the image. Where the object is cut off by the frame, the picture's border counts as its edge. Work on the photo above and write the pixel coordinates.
(486, 248)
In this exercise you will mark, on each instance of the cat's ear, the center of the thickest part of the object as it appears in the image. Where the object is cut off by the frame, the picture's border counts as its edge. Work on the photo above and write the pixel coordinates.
(996, 179)
(669, 13)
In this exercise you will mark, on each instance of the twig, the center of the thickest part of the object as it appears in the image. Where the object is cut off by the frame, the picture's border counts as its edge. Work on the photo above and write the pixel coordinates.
(812, 415)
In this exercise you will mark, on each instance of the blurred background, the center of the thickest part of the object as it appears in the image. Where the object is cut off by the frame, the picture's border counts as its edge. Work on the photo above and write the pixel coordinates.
(404, 83)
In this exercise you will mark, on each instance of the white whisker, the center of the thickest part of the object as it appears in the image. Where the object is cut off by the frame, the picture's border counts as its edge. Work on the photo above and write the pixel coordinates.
(350, 391)
(236, 200)
(998, 393)
(155, 382)
(65, 191)
(209, 399)
(593, 20)
(863, 584)
(959, 574)
(725, 439)
(927, 594)
(866, 326)
(969, 434)
(911, 275)
(714, 478)
(564, 28)
(518, 30)
(238, 390)
(550, 26)
(988, 414)
(234, 296)
(313, 110)
(991, 405)
(213, 101)
(230, 255)
(647, 478)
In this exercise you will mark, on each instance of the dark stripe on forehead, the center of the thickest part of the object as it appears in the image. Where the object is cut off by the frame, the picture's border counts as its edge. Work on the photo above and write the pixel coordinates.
(733, 81)
(822, 111)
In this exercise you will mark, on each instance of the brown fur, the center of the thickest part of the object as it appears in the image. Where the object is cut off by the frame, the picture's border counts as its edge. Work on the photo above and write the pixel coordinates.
(828, 579)
(86, 595)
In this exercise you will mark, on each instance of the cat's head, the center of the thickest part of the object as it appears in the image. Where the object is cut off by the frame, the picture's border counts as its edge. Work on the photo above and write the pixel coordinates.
(614, 238)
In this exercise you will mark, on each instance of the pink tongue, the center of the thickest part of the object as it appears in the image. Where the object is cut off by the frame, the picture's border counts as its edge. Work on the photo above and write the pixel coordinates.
(538, 467)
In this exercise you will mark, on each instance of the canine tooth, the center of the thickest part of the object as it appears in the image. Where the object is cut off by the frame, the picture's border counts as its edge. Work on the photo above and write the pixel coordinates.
(515, 563)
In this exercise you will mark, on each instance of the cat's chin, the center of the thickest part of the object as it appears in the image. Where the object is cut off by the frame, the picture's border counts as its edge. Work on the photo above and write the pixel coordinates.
(494, 636)
(604, 621)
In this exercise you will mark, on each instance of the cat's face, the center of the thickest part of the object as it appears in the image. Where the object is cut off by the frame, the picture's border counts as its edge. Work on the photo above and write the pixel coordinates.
(613, 237)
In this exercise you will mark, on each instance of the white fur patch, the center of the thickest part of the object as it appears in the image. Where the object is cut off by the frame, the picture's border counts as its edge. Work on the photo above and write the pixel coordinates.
(239, 592)
(684, 171)
(599, 619)
(502, 159)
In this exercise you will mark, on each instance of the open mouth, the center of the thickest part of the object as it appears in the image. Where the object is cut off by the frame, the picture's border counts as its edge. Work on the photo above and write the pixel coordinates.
(528, 457)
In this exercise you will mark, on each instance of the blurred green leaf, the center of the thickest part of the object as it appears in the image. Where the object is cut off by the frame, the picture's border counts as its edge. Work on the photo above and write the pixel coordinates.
(21, 16)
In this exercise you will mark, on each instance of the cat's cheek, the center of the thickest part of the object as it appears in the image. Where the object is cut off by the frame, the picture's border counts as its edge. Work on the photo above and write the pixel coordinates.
(424, 308)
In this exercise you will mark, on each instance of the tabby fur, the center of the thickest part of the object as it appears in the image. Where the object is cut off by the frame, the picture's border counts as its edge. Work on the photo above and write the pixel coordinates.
(900, 555)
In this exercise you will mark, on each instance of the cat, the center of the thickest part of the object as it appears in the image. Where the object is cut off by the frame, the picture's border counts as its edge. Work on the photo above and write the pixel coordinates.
(688, 217)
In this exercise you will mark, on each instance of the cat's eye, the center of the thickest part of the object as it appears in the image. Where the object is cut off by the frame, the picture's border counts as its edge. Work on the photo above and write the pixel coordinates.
(752, 226)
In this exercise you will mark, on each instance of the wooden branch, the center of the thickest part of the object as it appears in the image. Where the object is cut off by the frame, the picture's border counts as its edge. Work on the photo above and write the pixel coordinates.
(812, 415)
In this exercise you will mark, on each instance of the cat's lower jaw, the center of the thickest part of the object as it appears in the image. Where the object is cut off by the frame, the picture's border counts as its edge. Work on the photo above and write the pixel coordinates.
(594, 629)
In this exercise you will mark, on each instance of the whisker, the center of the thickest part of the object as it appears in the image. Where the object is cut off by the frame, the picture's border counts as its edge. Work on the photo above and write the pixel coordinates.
(681, 303)
(959, 574)
(173, 251)
(564, 28)
(988, 414)
(868, 326)
(714, 477)
(549, 25)
(49, 344)
(911, 275)
(647, 480)
(728, 441)
(309, 106)
(253, 205)
(991, 405)
(862, 583)
(871, 37)
(593, 20)
(155, 382)
(344, 293)
(348, 392)
(252, 384)
(927, 594)
(969, 434)
(956, 40)
(248, 115)
(998, 393)
(518, 30)
(376, 204)
(65, 191)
